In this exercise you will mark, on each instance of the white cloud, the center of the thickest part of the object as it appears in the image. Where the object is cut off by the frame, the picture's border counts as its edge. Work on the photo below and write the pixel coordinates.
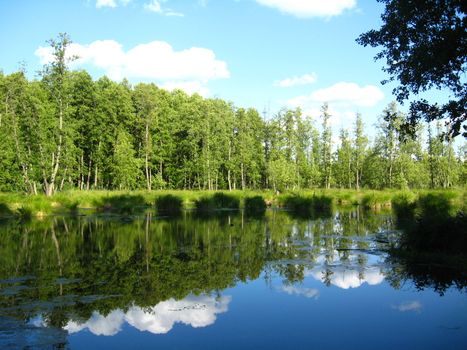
(310, 8)
(153, 6)
(157, 61)
(106, 3)
(111, 3)
(190, 87)
(348, 277)
(305, 79)
(344, 99)
(306, 292)
(342, 94)
(408, 306)
(196, 311)
(98, 324)
(156, 6)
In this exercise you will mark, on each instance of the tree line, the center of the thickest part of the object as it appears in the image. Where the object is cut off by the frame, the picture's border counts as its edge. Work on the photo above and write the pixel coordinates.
(66, 130)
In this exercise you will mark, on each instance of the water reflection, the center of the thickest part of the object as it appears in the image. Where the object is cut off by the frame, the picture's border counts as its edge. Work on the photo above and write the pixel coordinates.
(65, 275)
(408, 306)
(196, 311)
(345, 278)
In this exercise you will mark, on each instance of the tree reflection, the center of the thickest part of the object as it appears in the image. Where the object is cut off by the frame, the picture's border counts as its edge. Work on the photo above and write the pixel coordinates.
(87, 272)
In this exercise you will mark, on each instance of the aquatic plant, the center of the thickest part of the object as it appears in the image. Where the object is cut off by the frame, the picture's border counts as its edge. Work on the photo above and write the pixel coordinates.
(217, 201)
(308, 206)
(254, 206)
(169, 204)
(125, 204)
(404, 204)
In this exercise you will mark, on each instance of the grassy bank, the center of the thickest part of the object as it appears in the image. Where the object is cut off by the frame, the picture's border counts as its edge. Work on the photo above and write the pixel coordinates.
(170, 202)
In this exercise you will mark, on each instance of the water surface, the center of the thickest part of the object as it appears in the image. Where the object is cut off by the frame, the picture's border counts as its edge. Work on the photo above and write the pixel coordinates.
(224, 281)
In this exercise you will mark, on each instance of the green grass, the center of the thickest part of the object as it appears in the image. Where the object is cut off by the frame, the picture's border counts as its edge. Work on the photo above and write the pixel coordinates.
(376, 199)
(168, 204)
(404, 204)
(128, 202)
(308, 206)
(254, 206)
(217, 201)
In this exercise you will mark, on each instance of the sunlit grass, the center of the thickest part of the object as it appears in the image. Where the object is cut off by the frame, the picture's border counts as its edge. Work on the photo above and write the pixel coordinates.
(127, 202)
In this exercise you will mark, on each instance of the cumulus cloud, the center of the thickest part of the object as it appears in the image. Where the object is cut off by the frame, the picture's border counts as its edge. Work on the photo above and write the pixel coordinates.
(156, 6)
(196, 311)
(305, 79)
(306, 292)
(345, 276)
(156, 61)
(310, 8)
(415, 306)
(342, 94)
(344, 100)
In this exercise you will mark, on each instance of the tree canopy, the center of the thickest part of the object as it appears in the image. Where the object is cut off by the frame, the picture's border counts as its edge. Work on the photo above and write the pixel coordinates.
(68, 131)
(425, 46)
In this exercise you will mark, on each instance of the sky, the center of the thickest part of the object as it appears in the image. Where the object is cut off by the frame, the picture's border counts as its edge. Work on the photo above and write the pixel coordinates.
(265, 54)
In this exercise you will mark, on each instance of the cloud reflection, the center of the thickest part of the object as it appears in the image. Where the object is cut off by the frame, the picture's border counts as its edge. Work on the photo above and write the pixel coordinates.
(306, 292)
(408, 306)
(196, 311)
(345, 277)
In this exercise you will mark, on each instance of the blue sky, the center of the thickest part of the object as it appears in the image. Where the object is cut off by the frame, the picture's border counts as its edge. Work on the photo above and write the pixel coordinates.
(256, 53)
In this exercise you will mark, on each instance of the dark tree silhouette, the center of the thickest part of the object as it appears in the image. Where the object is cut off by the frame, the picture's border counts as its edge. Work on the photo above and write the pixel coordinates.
(425, 46)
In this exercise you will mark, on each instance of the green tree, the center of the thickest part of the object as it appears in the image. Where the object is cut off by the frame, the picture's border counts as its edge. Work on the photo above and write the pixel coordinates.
(424, 47)
(343, 165)
(125, 164)
(326, 147)
(359, 150)
(55, 144)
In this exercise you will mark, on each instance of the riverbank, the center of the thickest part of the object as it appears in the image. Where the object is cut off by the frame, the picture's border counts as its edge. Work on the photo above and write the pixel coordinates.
(131, 202)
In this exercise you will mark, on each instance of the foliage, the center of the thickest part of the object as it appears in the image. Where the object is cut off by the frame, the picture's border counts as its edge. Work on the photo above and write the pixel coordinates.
(424, 46)
(118, 137)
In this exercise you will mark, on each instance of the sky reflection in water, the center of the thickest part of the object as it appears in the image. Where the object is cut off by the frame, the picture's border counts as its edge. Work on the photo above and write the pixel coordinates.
(277, 282)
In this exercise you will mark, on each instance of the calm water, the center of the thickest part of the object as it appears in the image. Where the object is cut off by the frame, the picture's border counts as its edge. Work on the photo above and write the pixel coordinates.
(227, 281)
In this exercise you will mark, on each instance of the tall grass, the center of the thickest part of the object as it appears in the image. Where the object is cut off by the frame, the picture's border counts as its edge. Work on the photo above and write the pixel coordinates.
(254, 206)
(404, 204)
(217, 201)
(124, 204)
(308, 206)
(377, 199)
(169, 204)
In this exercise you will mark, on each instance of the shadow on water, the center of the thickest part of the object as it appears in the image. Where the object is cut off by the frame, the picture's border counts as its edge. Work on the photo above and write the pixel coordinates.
(427, 272)
(432, 251)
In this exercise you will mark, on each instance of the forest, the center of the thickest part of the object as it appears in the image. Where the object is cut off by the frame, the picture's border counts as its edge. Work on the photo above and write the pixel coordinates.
(65, 131)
